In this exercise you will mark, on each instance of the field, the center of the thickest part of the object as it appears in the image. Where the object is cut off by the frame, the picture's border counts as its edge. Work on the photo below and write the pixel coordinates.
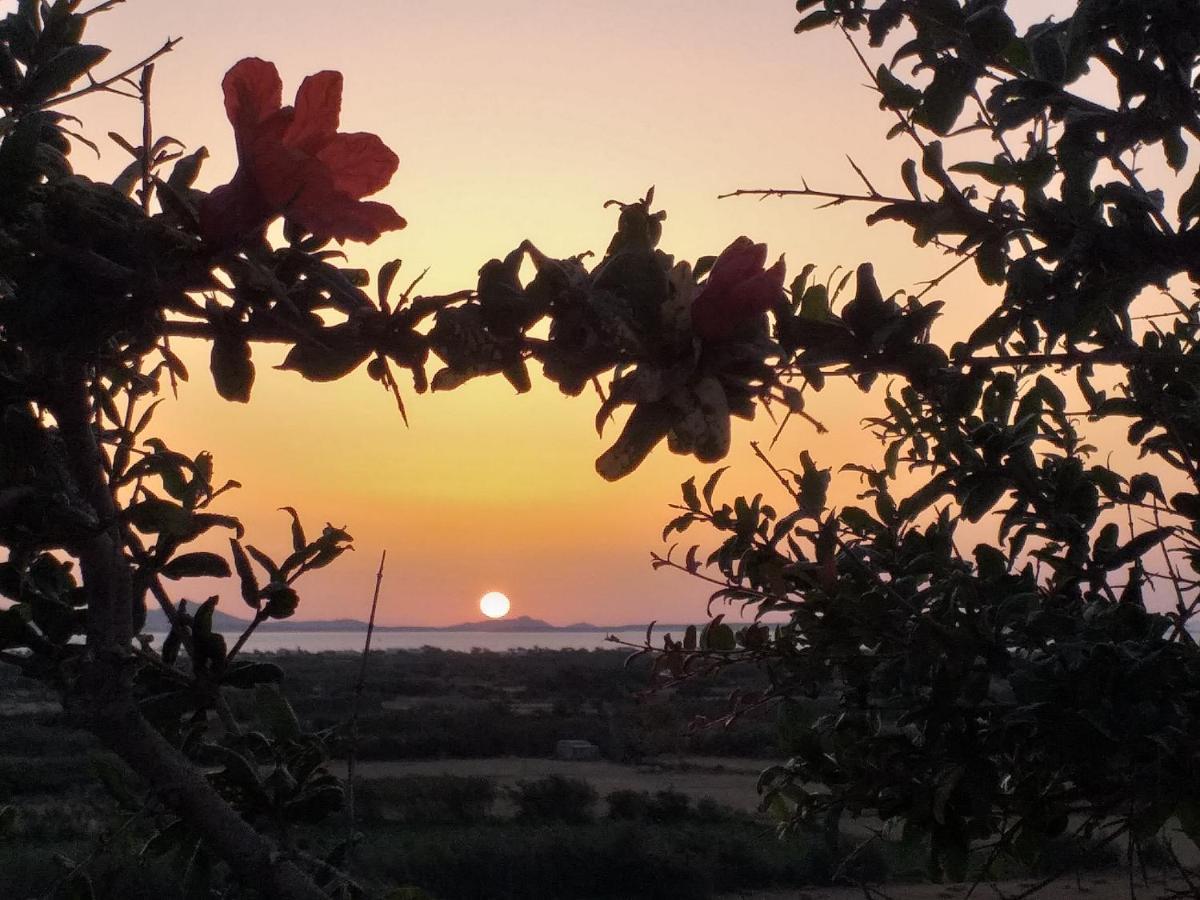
(458, 791)
(729, 782)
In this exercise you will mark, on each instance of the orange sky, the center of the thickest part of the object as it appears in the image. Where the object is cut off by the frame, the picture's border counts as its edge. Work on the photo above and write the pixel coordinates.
(518, 120)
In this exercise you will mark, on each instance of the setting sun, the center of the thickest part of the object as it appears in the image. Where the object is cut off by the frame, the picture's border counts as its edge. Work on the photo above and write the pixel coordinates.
(494, 605)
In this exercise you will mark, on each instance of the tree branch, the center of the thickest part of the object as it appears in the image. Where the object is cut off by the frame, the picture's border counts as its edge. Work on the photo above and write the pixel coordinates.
(103, 699)
(107, 83)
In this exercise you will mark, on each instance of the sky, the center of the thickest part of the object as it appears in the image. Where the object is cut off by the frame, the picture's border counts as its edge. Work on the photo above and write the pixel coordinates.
(514, 121)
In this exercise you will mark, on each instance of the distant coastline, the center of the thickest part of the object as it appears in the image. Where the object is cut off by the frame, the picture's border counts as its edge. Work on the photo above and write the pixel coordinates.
(156, 622)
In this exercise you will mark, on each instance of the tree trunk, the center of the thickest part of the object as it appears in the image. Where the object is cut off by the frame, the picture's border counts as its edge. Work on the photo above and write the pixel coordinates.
(102, 699)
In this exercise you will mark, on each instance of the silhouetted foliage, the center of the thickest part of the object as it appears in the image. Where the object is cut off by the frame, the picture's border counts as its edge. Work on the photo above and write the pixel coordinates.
(1031, 676)
(98, 515)
(986, 692)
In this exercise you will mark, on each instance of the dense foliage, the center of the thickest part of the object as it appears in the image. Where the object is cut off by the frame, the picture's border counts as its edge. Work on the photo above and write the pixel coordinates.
(99, 516)
(993, 691)
(1032, 675)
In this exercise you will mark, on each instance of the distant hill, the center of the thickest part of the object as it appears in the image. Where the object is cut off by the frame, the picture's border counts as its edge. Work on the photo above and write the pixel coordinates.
(156, 622)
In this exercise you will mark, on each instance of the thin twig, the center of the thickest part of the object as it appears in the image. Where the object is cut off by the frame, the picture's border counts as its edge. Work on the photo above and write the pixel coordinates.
(100, 846)
(359, 686)
(933, 283)
(259, 617)
(102, 7)
(147, 136)
(909, 128)
(106, 84)
(836, 197)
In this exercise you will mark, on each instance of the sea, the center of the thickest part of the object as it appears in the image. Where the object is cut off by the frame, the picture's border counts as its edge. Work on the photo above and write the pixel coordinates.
(465, 641)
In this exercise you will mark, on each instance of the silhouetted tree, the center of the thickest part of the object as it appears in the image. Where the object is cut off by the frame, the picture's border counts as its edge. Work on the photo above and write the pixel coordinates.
(97, 514)
(1034, 675)
(992, 692)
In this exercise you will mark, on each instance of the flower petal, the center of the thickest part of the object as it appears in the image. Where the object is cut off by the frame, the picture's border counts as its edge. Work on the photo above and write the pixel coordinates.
(758, 294)
(253, 91)
(359, 163)
(282, 175)
(233, 212)
(318, 109)
(740, 260)
(343, 218)
(718, 312)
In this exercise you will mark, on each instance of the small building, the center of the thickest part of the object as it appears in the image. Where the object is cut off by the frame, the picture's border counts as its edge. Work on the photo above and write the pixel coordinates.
(577, 750)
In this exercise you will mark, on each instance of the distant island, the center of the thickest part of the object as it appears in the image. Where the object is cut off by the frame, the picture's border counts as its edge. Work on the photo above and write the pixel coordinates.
(156, 623)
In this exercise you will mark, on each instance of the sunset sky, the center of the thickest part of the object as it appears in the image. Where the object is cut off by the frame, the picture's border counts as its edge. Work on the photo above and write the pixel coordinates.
(513, 121)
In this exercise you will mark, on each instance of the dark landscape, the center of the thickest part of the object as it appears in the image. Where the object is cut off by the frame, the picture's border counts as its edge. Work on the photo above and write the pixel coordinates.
(340, 316)
(458, 789)
(156, 623)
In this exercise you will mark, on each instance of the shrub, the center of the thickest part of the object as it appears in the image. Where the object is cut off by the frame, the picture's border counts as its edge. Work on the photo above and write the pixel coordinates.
(554, 798)
(641, 806)
(425, 800)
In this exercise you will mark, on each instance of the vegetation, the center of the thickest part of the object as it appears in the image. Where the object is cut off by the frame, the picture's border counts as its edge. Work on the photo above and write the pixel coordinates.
(452, 835)
(1007, 683)
(1004, 619)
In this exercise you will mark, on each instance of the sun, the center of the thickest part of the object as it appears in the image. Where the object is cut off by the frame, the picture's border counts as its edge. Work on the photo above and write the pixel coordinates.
(494, 605)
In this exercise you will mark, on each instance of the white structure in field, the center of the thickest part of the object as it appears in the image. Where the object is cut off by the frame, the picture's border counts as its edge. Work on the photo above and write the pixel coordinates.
(576, 750)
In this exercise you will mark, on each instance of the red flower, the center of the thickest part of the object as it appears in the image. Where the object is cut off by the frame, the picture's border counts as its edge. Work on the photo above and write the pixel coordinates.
(737, 289)
(293, 162)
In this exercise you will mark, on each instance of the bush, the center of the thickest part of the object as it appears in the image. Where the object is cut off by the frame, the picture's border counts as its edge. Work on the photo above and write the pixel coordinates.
(554, 798)
(610, 859)
(641, 806)
(27, 872)
(36, 774)
(425, 800)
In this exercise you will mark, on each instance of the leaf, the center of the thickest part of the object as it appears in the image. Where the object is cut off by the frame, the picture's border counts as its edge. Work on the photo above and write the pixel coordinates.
(65, 68)
(998, 173)
(690, 496)
(816, 20)
(983, 495)
(184, 174)
(1140, 546)
(265, 561)
(711, 484)
(895, 94)
(299, 542)
(196, 565)
(331, 354)
(249, 581)
(387, 274)
(276, 713)
(232, 370)
(908, 174)
(943, 100)
(157, 516)
(679, 523)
